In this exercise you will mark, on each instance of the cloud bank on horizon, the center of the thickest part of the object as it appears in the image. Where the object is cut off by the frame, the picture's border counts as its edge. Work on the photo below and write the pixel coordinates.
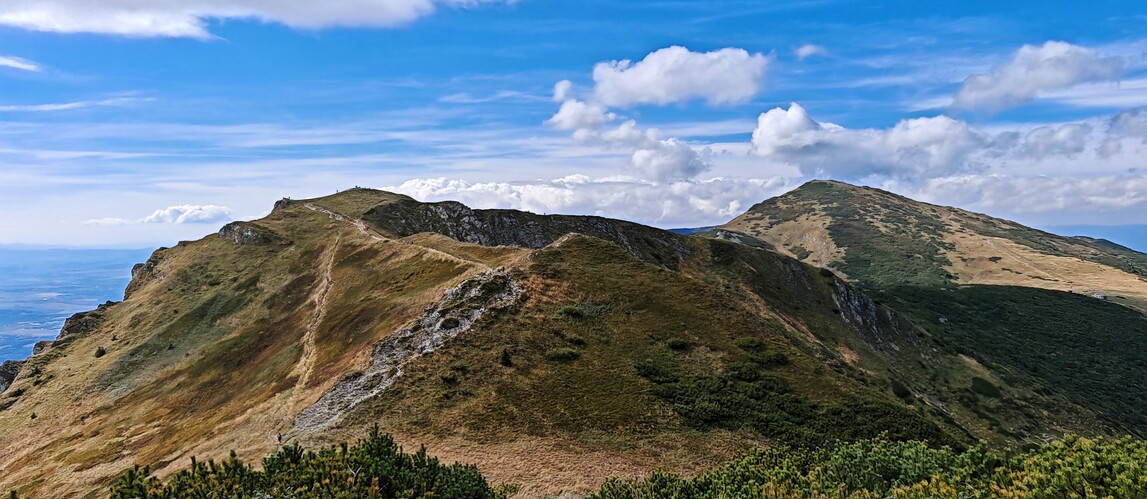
(520, 105)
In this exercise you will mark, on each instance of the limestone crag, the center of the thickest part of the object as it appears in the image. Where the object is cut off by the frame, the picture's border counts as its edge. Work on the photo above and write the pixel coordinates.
(878, 326)
(459, 308)
(516, 228)
(247, 233)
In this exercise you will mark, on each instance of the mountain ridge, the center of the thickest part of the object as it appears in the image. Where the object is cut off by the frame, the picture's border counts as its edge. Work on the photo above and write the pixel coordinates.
(630, 346)
(944, 246)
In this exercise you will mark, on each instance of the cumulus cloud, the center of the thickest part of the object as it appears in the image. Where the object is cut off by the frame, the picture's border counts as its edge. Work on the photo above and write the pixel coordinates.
(660, 160)
(189, 214)
(808, 50)
(921, 146)
(1067, 140)
(562, 90)
(1063, 197)
(675, 74)
(668, 75)
(181, 214)
(8, 61)
(189, 18)
(668, 160)
(576, 115)
(1129, 124)
(917, 150)
(1034, 69)
(675, 204)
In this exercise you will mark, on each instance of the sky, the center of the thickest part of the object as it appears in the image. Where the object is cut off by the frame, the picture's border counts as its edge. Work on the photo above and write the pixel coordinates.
(136, 123)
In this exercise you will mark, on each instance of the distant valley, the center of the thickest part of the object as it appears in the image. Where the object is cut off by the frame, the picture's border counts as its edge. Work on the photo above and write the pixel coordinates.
(42, 287)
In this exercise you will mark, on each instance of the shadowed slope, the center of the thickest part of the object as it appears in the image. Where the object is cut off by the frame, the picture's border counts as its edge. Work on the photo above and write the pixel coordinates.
(1028, 312)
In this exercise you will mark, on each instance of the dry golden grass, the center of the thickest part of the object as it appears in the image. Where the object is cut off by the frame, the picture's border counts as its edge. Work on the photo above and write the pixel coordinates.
(218, 348)
(979, 259)
(550, 467)
(808, 231)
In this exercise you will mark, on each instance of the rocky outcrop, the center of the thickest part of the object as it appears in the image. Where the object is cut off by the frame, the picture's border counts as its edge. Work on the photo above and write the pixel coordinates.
(737, 237)
(523, 229)
(458, 310)
(247, 233)
(41, 346)
(878, 326)
(142, 273)
(8, 372)
(84, 322)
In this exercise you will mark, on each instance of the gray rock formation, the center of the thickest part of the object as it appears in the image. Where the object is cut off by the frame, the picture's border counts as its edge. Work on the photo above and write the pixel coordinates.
(459, 308)
(83, 322)
(8, 372)
(247, 233)
(524, 229)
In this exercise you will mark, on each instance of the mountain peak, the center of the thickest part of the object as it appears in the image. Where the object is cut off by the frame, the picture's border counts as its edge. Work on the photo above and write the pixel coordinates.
(881, 240)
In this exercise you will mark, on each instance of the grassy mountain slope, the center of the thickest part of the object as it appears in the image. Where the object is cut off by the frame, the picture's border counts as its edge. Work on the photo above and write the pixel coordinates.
(551, 351)
(550, 367)
(1044, 322)
(881, 239)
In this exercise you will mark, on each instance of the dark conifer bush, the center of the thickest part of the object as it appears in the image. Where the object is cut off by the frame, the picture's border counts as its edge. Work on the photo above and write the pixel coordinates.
(373, 467)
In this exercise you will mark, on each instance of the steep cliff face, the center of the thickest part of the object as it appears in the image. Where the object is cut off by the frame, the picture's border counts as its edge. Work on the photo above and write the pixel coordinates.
(528, 230)
(8, 371)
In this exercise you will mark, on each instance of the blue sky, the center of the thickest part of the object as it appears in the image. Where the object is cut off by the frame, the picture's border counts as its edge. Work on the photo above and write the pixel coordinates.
(137, 123)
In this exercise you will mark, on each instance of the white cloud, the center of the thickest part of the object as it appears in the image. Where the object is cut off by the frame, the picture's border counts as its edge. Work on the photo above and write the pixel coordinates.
(1121, 94)
(189, 18)
(562, 90)
(1126, 126)
(8, 61)
(660, 160)
(921, 146)
(676, 74)
(1033, 70)
(808, 50)
(1067, 140)
(181, 214)
(189, 214)
(68, 106)
(578, 115)
(110, 221)
(1041, 199)
(674, 204)
(1129, 123)
(668, 160)
(672, 74)
(467, 98)
(934, 147)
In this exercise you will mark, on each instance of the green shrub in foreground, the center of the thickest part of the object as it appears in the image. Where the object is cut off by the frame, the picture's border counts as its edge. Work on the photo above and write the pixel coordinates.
(374, 467)
(877, 468)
